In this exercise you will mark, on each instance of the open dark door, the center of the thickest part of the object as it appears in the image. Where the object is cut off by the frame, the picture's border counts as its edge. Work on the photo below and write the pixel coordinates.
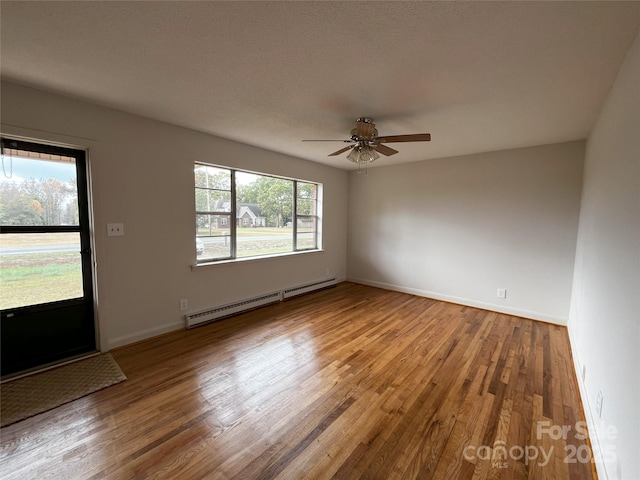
(46, 290)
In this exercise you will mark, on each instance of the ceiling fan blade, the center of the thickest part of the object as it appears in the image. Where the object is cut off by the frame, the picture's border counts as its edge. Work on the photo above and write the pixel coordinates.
(383, 149)
(417, 137)
(342, 150)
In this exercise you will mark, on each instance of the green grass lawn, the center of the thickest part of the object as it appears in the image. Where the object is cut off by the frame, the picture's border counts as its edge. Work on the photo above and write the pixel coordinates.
(32, 279)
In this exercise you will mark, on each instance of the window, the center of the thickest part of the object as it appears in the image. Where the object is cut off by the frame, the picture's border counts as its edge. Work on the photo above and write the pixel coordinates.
(243, 214)
(213, 210)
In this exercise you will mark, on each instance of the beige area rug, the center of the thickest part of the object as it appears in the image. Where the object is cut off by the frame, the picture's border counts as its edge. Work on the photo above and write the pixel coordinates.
(28, 396)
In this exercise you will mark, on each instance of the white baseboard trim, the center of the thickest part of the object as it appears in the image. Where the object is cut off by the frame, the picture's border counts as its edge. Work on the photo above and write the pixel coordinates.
(588, 411)
(154, 332)
(518, 312)
(143, 335)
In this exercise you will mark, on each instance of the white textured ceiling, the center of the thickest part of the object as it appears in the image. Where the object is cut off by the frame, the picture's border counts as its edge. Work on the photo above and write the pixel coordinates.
(478, 76)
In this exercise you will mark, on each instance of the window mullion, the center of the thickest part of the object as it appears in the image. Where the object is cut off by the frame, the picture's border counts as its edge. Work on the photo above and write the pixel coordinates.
(295, 216)
(232, 219)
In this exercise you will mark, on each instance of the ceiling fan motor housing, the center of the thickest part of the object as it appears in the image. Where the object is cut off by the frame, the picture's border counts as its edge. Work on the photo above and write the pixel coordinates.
(365, 130)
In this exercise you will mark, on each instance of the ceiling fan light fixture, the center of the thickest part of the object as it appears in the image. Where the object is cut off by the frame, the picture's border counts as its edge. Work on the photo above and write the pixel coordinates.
(354, 155)
(368, 154)
(363, 155)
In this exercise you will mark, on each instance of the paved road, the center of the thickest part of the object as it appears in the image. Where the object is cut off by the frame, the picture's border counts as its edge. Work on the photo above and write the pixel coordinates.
(39, 249)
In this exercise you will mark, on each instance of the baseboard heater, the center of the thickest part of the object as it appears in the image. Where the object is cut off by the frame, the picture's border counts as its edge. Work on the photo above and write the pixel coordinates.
(308, 288)
(218, 313)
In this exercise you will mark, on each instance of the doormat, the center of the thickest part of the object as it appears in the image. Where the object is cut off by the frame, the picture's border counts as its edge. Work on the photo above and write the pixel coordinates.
(27, 396)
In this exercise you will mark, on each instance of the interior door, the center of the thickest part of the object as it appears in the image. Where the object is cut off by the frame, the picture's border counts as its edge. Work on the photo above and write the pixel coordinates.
(46, 290)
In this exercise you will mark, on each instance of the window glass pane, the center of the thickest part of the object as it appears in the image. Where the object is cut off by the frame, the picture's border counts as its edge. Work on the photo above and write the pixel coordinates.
(244, 179)
(263, 214)
(306, 233)
(305, 207)
(212, 177)
(38, 268)
(38, 191)
(266, 197)
(213, 225)
(252, 242)
(307, 190)
(306, 241)
(213, 200)
(212, 248)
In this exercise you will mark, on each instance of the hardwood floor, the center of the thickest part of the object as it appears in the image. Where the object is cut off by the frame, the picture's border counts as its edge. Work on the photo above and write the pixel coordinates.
(351, 382)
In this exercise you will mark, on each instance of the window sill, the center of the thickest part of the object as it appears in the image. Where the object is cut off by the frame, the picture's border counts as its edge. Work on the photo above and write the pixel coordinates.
(253, 259)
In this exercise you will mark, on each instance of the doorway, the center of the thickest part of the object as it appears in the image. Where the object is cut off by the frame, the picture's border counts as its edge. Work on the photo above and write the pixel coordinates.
(46, 279)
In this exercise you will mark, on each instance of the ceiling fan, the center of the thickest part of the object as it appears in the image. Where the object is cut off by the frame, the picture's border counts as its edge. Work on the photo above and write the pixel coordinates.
(366, 144)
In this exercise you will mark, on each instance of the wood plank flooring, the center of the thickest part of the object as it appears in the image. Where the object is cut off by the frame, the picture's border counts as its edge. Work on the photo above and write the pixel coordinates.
(351, 382)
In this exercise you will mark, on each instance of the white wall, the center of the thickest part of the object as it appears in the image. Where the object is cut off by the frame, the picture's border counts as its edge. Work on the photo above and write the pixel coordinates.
(605, 312)
(459, 228)
(142, 176)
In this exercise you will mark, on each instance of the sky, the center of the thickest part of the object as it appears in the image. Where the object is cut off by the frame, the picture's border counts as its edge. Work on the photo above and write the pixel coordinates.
(19, 168)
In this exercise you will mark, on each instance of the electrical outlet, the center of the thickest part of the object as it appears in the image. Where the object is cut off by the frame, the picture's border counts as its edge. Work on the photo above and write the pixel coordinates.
(599, 402)
(115, 229)
(184, 304)
(502, 293)
(327, 273)
(584, 372)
